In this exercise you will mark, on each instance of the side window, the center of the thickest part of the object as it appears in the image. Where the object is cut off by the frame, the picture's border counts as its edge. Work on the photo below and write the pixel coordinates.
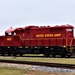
(9, 34)
(14, 33)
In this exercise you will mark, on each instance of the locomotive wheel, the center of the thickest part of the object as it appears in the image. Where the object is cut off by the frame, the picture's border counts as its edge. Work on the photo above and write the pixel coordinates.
(2, 54)
(68, 56)
(9, 54)
(53, 55)
(63, 53)
(21, 55)
(63, 56)
(14, 54)
(46, 55)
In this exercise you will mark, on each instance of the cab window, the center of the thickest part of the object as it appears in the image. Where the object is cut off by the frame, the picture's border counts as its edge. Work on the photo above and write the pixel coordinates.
(9, 34)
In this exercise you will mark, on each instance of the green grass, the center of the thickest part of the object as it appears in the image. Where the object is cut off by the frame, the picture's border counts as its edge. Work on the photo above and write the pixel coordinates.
(10, 71)
(14, 71)
(49, 60)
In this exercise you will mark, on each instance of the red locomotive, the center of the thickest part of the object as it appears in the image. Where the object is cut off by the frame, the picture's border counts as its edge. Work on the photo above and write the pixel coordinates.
(56, 40)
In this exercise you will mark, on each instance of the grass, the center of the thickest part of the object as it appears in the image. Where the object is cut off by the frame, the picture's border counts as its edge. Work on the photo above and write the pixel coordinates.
(49, 60)
(14, 71)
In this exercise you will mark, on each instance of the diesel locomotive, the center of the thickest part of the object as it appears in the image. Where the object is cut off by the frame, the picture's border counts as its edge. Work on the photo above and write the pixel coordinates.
(46, 40)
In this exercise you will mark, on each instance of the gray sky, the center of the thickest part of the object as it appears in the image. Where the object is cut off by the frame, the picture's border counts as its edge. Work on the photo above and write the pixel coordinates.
(36, 12)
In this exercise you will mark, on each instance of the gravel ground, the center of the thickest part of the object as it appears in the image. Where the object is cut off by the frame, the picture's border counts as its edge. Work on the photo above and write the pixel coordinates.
(38, 68)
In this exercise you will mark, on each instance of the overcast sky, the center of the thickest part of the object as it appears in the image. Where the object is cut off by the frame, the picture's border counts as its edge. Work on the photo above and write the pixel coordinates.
(36, 12)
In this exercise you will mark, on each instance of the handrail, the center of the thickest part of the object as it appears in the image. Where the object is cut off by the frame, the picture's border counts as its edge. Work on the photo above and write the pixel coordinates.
(71, 42)
(20, 37)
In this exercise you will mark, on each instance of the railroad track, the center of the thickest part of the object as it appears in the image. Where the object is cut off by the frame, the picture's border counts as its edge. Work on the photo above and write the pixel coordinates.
(57, 65)
(45, 57)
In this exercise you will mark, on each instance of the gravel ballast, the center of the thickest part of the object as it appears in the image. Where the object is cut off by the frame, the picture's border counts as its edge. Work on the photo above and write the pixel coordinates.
(38, 68)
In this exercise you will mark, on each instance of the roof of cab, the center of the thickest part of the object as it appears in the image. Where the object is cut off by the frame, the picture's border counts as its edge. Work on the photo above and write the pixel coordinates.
(10, 30)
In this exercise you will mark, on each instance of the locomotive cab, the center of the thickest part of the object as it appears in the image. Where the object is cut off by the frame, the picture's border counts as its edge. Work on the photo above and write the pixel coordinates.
(10, 32)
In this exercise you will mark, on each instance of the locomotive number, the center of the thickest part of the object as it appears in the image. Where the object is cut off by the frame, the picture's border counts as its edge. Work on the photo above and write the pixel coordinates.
(9, 39)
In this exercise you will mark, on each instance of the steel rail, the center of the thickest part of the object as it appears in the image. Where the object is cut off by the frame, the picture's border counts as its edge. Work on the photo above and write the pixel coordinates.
(57, 65)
